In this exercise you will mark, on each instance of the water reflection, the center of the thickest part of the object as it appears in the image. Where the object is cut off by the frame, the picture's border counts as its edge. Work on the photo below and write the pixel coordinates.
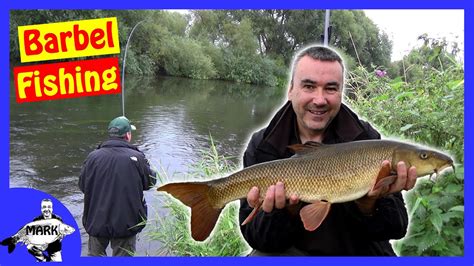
(174, 118)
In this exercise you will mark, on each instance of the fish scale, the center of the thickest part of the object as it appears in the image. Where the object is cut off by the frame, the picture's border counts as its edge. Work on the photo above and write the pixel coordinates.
(335, 173)
(319, 174)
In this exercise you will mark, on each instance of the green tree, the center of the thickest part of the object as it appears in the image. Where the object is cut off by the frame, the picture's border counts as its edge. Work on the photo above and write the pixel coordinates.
(359, 37)
(240, 38)
(281, 32)
(208, 26)
(185, 57)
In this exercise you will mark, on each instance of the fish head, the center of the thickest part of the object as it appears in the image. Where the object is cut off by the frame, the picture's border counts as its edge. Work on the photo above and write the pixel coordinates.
(65, 229)
(427, 161)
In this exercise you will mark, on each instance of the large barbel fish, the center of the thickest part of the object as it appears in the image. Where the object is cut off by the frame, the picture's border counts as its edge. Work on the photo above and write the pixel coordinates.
(318, 174)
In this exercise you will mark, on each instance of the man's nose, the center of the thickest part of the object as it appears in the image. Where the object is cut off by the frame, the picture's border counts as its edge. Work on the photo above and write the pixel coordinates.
(318, 97)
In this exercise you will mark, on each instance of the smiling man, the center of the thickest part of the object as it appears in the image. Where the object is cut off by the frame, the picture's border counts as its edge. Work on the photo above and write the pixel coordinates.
(46, 209)
(54, 249)
(315, 94)
(314, 112)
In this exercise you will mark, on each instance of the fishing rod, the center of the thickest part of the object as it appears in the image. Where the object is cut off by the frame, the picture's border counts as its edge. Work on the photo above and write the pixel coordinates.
(123, 66)
(326, 28)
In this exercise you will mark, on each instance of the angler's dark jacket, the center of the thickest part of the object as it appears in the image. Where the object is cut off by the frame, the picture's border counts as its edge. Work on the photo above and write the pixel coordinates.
(113, 179)
(345, 231)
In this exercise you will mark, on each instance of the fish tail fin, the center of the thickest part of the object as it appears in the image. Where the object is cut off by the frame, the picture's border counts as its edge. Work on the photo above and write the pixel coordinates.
(195, 195)
(10, 242)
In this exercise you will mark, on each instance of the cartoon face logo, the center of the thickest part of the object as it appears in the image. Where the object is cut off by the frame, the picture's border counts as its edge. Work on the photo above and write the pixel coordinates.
(46, 229)
(47, 208)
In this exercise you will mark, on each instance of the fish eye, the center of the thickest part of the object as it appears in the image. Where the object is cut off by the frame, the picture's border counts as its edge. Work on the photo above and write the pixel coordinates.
(423, 155)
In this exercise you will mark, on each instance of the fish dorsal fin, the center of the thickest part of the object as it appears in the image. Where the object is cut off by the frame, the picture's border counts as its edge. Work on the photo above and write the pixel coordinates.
(308, 147)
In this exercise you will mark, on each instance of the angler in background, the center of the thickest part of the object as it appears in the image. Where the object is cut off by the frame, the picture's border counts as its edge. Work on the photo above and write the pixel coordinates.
(315, 112)
(113, 179)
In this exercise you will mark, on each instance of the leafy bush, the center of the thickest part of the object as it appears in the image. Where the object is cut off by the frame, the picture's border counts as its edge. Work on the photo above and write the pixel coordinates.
(254, 69)
(429, 111)
(216, 54)
(185, 57)
(138, 64)
(437, 218)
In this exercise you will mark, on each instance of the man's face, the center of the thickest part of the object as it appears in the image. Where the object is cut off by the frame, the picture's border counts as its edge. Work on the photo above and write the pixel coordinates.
(47, 209)
(316, 94)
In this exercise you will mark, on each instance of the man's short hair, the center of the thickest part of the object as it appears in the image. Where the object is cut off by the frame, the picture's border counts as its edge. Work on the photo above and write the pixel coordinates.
(317, 52)
(46, 200)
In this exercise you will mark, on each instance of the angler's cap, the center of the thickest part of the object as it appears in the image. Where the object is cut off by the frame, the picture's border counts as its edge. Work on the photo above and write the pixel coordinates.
(120, 126)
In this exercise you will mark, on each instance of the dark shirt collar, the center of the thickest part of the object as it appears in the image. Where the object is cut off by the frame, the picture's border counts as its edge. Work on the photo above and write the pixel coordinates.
(345, 127)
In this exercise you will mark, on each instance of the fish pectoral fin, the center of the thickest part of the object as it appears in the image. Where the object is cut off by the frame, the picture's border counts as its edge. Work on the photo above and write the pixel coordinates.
(384, 177)
(385, 181)
(313, 215)
(384, 172)
(253, 213)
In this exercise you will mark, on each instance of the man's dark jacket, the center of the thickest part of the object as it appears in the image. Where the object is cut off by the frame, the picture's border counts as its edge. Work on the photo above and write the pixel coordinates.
(345, 231)
(113, 179)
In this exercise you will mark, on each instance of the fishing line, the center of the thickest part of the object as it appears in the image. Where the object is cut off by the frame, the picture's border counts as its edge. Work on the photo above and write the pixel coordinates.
(123, 66)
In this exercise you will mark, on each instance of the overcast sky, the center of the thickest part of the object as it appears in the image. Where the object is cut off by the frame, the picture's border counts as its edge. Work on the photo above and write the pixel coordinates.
(404, 26)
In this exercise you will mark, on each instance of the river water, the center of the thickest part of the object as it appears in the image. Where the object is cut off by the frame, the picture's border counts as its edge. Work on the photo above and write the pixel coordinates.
(174, 119)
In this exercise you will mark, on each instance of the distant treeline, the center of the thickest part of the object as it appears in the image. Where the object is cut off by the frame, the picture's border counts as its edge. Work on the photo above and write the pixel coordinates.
(248, 46)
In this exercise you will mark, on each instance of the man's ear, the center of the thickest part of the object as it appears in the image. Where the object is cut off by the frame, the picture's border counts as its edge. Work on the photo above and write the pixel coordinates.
(290, 90)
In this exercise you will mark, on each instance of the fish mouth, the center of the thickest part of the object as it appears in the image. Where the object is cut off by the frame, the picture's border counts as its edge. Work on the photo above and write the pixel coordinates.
(445, 166)
(440, 169)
